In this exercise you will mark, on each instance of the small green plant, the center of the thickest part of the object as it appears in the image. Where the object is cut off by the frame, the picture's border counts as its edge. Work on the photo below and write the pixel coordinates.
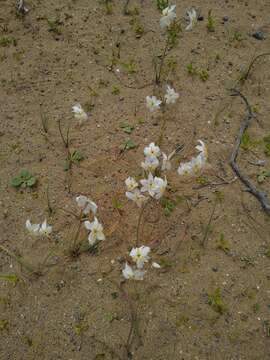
(210, 22)
(74, 158)
(54, 25)
(115, 90)
(24, 179)
(238, 36)
(108, 7)
(216, 302)
(130, 67)
(173, 33)
(6, 41)
(203, 74)
(247, 143)
(262, 176)
(223, 244)
(127, 128)
(266, 143)
(13, 279)
(3, 325)
(168, 206)
(128, 145)
(191, 69)
(162, 4)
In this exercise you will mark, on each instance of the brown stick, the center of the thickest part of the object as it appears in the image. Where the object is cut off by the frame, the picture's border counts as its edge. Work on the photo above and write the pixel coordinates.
(260, 195)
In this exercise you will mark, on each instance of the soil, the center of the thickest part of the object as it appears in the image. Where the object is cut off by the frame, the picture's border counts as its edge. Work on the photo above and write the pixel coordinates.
(211, 297)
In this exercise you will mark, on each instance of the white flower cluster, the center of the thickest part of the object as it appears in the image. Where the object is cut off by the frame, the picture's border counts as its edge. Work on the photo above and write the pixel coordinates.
(192, 15)
(139, 256)
(153, 104)
(196, 163)
(38, 229)
(96, 229)
(79, 113)
(154, 185)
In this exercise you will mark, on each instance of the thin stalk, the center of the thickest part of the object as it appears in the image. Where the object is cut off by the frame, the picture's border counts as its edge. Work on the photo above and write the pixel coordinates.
(159, 71)
(139, 223)
(77, 232)
(19, 260)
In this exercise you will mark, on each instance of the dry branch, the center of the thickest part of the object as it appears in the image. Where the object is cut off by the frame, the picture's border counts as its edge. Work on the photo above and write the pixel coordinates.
(260, 195)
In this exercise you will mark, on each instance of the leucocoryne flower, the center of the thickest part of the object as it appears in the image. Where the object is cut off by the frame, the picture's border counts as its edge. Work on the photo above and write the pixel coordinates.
(155, 186)
(152, 103)
(196, 163)
(129, 273)
(79, 113)
(150, 163)
(86, 205)
(96, 231)
(136, 196)
(168, 16)
(171, 95)
(140, 255)
(39, 229)
(151, 150)
(131, 183)
(192, 14)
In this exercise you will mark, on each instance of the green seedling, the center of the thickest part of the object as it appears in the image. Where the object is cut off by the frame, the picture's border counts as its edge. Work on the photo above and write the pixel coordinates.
(74, 158)
(223, 244)
(162, 4)
(115, 90)
(168, 205)
(7, 41)
(127, 128)
(13, 279)
(210, 22)
(266, 143)
(174, 32)
(262, 176)
(247, 143)
(54, 25)
(216, 302)
(24, 179)
(128, 145)
(3, 325)
(130, 67)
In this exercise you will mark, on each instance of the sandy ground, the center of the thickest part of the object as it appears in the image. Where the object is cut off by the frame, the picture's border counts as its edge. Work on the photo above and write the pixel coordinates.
(211, 297)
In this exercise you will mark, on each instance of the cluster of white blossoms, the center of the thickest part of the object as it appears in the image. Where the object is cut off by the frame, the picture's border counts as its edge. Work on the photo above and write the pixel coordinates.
(153, 185)
(38, 229)
(196, 163)
(79, 113)
(153, 103)
(169, 16)
(95, 228)
(139, 256)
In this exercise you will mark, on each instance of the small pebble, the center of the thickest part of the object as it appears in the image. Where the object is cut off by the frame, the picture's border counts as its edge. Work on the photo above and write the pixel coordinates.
(259, 35)
(225, 18)
(200, 18)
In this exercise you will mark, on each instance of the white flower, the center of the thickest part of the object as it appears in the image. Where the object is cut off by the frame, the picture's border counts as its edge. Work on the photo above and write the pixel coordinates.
(45, 229)
(79, 113)
(152, 150)
(160, 187)
(150, 163)
(148, 185)
(136, 196)
(185, 168)
(38, 229)
(171, 95)
(168, 16)
(131, 183)
(86, 204)
(32, 228)
(192, 19)
(202, 148)
(156, 265)
(96, 231)
(140, 255)
(129, 273)
(198, 162)
(152, 103)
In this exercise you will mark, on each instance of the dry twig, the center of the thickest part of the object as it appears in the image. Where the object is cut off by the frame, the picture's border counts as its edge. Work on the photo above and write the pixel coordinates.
(260, 195)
